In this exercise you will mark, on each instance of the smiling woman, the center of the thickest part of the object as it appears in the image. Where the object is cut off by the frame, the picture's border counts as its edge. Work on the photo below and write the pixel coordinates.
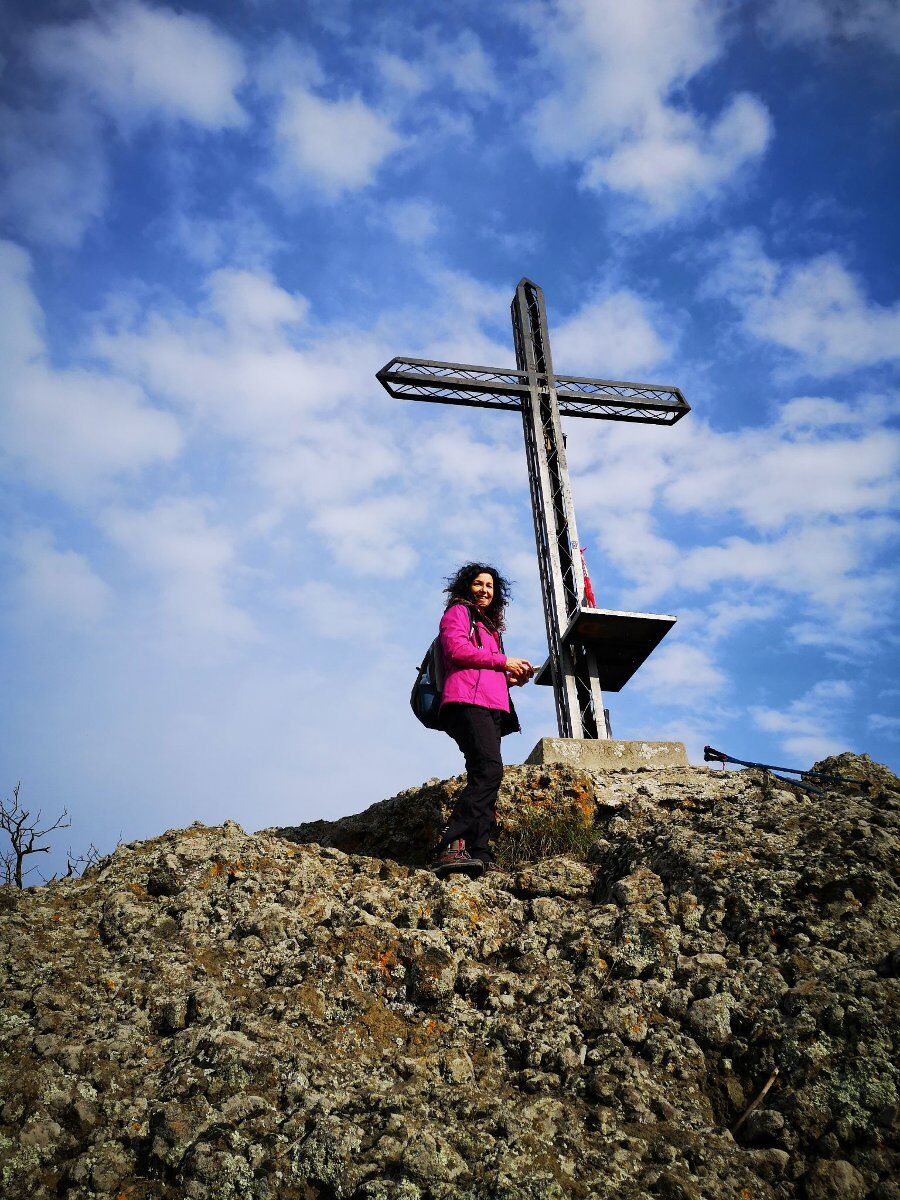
(476, 710)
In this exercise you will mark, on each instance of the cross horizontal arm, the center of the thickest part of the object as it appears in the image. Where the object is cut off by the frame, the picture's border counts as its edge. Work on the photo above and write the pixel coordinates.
(453, 383)
(476, 379)
(495, 387)
(611, 400)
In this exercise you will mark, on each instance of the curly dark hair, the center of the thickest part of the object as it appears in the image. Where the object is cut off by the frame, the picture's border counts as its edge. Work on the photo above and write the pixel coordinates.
(459, 588)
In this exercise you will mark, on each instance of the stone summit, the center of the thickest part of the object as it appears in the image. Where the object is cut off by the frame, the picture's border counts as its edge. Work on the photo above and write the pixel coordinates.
(686, 988)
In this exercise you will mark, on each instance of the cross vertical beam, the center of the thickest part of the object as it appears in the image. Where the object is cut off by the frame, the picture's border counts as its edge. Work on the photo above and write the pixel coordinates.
(579, 700)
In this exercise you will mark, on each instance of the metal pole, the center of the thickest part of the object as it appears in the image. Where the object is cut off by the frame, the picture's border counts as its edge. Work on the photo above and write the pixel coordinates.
(576, 688)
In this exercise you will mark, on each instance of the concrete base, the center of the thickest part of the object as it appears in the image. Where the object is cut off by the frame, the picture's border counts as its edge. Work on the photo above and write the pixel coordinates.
(608, 754)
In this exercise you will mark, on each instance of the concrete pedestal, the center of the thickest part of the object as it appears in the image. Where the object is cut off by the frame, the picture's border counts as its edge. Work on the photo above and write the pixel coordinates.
(608, 754)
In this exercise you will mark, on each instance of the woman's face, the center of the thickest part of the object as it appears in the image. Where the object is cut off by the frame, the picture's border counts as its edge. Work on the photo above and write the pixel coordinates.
(482, 588)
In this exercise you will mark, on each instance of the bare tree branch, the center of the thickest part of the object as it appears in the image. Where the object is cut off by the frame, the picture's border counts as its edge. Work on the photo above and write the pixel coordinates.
(81, 862)
(25, 835)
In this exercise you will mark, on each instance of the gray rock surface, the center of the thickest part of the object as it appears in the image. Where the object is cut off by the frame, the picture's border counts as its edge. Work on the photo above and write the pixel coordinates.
(217, 1014)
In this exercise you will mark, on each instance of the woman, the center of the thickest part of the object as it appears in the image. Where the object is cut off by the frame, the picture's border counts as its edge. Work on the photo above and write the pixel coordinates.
(476, 710)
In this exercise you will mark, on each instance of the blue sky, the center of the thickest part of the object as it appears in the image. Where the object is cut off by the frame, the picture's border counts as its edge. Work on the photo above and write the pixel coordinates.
(223, 545)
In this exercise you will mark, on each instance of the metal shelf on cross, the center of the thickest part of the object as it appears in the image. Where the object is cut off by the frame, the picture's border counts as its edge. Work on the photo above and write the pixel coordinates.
(621, 641)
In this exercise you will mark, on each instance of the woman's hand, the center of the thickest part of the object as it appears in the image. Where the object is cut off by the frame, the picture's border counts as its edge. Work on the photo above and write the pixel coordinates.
(518, 671)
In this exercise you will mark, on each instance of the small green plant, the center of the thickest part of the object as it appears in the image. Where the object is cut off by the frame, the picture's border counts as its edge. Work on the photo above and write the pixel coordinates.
(545, 834)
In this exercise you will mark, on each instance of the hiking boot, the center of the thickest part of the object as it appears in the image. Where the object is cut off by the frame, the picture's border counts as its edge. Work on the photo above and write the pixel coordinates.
(455, 859)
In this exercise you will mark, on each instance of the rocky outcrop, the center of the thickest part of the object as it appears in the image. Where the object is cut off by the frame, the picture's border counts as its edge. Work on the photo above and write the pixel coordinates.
(216, 1014)
(540, 810)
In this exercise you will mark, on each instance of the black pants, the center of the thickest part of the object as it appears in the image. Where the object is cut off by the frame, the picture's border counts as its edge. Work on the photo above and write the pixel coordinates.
(476, 731)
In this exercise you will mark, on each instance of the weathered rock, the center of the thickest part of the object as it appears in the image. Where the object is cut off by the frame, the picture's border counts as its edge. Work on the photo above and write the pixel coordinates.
(256, 1016)
(432, 975)
(771, 1163)
(764, 1127)
(555, 877)
(710, 1019)
(837, 1180)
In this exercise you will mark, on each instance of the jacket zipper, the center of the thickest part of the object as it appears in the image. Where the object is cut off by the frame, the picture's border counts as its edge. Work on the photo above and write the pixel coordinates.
(497, 641)
(478, 676)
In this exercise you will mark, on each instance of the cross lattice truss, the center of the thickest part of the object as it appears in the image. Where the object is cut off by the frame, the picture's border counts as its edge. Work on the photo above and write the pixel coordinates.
(590, 649)
(492, 387)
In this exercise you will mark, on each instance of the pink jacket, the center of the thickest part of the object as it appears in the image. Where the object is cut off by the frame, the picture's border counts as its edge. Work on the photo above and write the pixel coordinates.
(473, 674)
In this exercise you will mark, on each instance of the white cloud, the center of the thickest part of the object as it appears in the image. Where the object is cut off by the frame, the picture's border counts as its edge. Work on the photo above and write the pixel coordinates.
(885, 723)
(813, 493)
(251, 300)
(331, 611)
(464, 62)
(192, 562)
(70, 430)
(337, 459)
(620, 110)
(22, 327)
(237, 365)
(454, 328)
(56, 586)
(373, 538)
(809, 726)
(414, 221)
(305, 421)
(128, 62)
(816, 309)
(680, 673)
(816, 459)
(630, 541)
(677, 157)
(823, 22)
(334, 145)
(239, 238)
(611, 336)
(401, 75)
(295, 401)
(808, 416)
(772, 477)
(618, 63)
(455, 457)
(827, 566)
(824, 575)
(724, 617)
(139, 61)
(460, 62)
(53, 173)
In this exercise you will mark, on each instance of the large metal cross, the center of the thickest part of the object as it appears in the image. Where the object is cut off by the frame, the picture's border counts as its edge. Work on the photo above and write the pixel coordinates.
(591, 650)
